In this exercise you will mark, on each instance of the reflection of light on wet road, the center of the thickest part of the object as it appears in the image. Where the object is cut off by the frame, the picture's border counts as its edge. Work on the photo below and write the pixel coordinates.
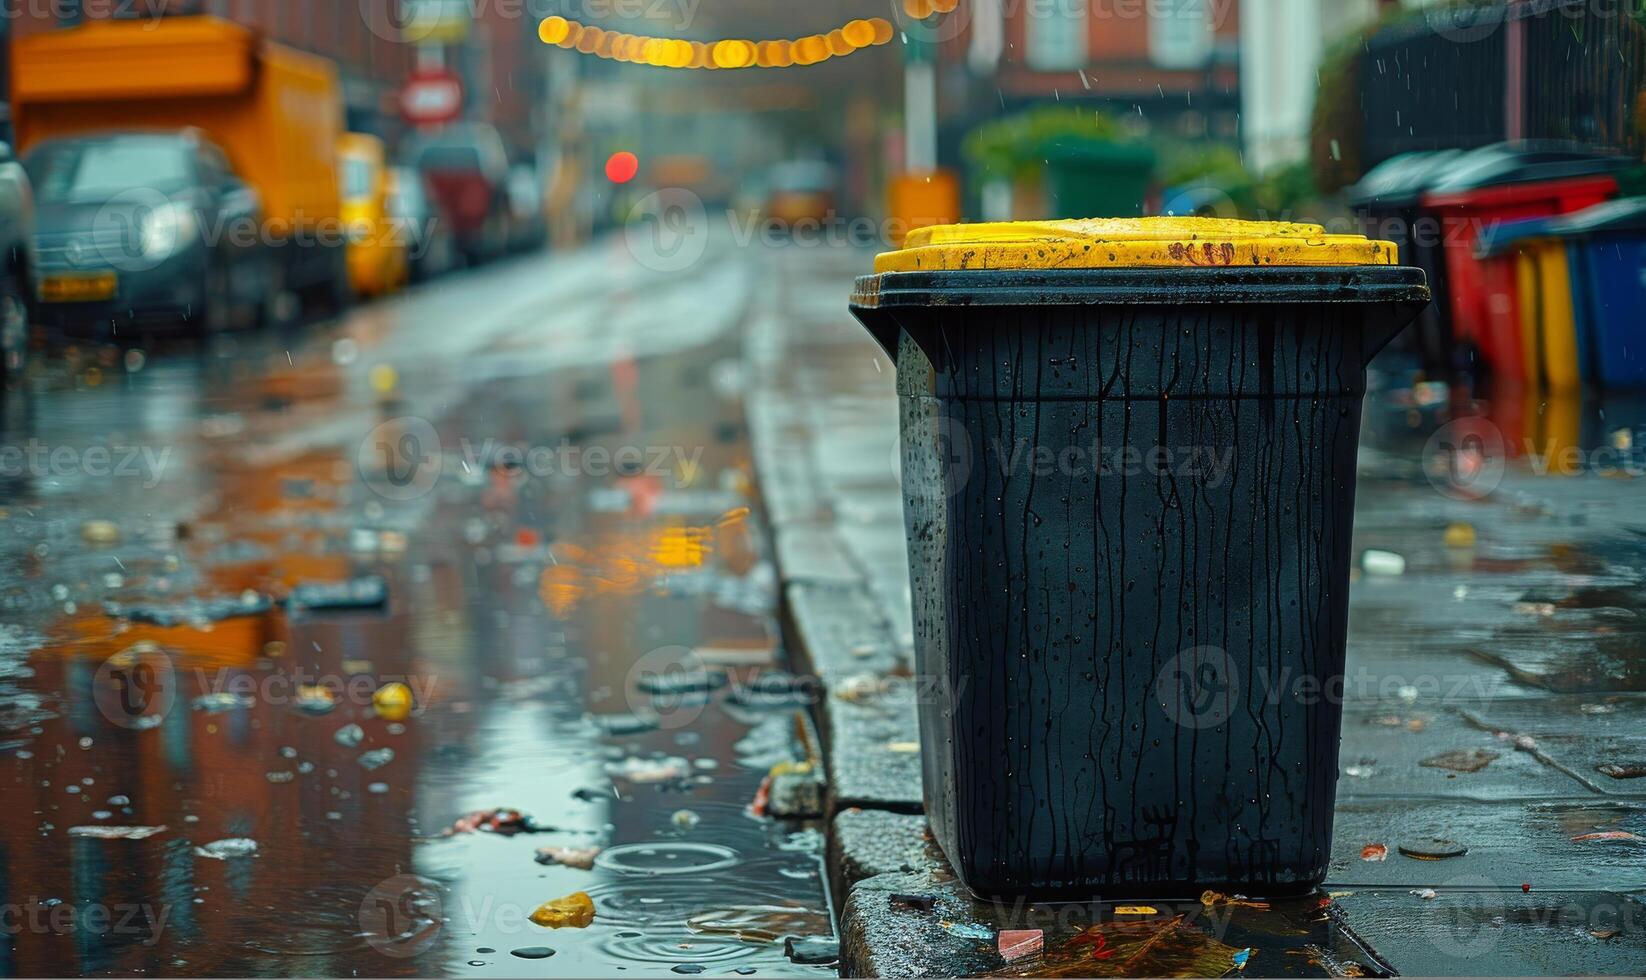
(519, 606)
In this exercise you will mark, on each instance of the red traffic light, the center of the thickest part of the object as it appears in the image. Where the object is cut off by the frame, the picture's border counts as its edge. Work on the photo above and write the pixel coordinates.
(622, 167)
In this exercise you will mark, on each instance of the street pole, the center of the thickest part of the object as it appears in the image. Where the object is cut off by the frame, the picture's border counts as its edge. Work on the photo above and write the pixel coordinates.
(919, 115)
(922, 194)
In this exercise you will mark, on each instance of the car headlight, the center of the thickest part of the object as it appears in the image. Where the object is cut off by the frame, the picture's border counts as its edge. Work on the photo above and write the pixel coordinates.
(167, 229)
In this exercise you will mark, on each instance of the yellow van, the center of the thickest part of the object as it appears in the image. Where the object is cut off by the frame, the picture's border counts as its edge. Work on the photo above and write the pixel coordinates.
(377, 244)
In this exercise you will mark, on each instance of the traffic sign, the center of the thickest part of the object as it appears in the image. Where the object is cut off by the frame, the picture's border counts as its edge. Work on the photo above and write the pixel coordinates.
(432, 97)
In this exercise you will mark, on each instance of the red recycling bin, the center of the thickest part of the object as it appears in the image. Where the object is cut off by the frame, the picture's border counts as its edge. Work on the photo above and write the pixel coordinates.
(1498, 183)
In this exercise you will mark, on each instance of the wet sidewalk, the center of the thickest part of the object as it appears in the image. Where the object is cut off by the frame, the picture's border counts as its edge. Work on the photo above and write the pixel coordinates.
(1491, 812)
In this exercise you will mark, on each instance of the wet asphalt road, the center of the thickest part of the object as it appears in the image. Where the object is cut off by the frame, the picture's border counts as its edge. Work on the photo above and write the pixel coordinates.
(522, 493)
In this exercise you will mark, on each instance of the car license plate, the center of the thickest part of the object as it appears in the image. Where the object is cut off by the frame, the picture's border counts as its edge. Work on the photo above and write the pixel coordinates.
(86, 288)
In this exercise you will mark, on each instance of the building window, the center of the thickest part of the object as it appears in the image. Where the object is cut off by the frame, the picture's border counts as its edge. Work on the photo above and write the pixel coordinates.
(1180, 33)
(1055, 34)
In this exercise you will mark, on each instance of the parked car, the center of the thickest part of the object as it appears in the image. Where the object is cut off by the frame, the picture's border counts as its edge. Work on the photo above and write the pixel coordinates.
(17, 248)
(145, 228)
(275, 111)
(528, 221)
(376, 247)
(467, 168)
(430, 250)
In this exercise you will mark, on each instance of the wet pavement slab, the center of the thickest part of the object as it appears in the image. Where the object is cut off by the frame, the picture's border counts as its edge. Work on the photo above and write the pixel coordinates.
(1490, 779)
(424, 651)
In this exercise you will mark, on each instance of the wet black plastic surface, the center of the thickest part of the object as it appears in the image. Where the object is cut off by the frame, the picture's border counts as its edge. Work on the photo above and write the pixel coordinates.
(1129, 545)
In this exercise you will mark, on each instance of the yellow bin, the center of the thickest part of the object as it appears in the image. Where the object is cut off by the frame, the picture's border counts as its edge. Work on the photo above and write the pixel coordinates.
(1548, 323)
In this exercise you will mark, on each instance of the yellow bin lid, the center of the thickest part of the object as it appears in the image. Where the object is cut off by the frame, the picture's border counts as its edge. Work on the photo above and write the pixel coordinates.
(1130, 243)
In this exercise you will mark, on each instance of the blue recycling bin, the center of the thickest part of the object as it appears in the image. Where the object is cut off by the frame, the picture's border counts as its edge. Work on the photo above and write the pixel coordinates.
(1606, 245)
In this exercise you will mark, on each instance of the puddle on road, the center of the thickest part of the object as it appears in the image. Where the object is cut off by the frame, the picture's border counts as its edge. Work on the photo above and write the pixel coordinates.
(252, 811)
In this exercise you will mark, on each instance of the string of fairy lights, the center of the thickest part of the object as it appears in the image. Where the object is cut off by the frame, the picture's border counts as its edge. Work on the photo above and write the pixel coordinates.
(731, 53)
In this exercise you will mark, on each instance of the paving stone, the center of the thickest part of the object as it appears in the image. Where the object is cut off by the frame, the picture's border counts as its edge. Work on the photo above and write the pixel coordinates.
(1579, 733)
(873, 755)
(813, 553)
(866, 843)
(1509, 843)
(1379, 739)
(1472, 931)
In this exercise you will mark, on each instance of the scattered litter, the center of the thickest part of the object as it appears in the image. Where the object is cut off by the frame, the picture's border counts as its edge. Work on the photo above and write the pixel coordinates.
(1603, 934)
(392, 702)
(100, 532)
(812, 950)
(575, 911)
(903, 748)
(759, 923)
(1461, 760)
(638, 770)
(775, 689)
(1427, 894)
(621, 725)
(1541, 609)
(581, 858)
(194, 611)
(1136, 910)
(1598, 709)
(116, 833)
(1609, 835)
(230, 847)
(1622, 770)
(220, 701)
(315, 699)
(349, 736)
(920, 903)
(1360, 771)
(1374, 852)
(681, 682)
(376, 758)
(1017, 944)
(366, 592)
(498, 820)
(1432, 849)
(1382, 563)
(1241, 958)
(968, 930)
(1460, 535)
(1210, 898)
(685, 819)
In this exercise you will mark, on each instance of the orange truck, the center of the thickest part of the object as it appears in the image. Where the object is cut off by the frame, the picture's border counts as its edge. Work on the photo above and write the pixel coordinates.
(274, 111)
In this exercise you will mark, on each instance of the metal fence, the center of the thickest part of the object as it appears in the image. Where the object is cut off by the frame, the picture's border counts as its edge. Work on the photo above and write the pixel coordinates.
(1468, 75)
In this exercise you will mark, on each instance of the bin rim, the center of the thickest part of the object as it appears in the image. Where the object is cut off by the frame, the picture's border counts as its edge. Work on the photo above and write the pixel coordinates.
(1401, 180)
(1624, 214)
(1516, 162)
(1266, 285)
(1511, 194)
(1131, 243)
